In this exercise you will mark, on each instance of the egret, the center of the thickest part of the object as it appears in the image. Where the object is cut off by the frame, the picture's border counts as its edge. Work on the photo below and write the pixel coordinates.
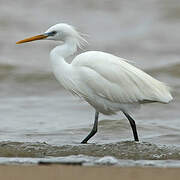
(107, 82)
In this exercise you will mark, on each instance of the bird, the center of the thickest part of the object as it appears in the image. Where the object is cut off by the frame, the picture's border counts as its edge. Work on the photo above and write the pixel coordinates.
(110, 84)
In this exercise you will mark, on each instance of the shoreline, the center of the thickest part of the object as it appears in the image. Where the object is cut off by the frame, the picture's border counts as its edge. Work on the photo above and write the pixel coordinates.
(56, 172)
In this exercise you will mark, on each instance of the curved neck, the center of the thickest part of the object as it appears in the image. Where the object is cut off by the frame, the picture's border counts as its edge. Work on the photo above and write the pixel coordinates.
(61, 68)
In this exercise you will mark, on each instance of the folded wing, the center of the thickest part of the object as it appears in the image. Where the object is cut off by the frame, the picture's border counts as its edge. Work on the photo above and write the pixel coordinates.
(116, 80)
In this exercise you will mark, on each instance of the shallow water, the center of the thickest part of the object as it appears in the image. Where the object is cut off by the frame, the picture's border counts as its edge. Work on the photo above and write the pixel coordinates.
(82, 160)
(39, 118)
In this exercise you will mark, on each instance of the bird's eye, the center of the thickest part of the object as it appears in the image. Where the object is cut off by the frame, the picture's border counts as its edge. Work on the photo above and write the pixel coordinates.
(52, 33)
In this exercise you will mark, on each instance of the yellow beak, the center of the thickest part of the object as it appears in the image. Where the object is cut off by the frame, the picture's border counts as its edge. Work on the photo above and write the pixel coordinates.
(34, 38)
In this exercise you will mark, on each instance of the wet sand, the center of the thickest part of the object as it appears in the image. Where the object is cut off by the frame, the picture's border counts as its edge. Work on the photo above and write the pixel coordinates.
(121, 150)
(56, 172)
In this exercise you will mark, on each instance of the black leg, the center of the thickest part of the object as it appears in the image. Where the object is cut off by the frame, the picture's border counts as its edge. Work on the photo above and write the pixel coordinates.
(94, 129)
(133, 126)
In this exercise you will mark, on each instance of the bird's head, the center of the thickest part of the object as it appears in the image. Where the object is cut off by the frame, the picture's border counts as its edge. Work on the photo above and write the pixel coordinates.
(59, 32)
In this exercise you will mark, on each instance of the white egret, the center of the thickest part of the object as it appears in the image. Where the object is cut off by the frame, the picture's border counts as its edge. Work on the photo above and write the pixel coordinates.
(107, 82)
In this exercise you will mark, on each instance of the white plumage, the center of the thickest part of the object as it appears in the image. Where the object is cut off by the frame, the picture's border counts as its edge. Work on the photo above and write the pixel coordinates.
(111, 84)
(107, 82)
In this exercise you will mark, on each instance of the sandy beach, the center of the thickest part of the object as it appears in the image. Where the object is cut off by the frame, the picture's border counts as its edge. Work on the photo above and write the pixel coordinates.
(57, 172)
